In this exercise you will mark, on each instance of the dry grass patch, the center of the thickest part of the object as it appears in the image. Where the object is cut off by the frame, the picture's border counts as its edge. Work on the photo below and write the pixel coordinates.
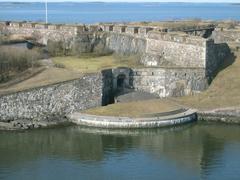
(134, 109)
(48, 76)
(224, 91)
(174, 24)
(94, 64)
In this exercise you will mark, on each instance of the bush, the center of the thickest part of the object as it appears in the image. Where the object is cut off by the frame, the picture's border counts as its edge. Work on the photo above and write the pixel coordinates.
(57, 48)
(14, 59)
(88, 45)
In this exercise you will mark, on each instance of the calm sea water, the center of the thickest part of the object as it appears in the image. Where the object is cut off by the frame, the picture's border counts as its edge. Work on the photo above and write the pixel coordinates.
(196, 151)
(121, 12)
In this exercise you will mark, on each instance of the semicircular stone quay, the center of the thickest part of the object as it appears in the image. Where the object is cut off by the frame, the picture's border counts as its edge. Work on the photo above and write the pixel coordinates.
(186, 116)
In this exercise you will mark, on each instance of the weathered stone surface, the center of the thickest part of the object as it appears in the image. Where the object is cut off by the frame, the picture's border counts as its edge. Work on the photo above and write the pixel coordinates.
(125, 44)
(225, 115)
(215, 56)
(53, 101)
(223, 35)
(128, 122)
(169, 82)
(178, 53)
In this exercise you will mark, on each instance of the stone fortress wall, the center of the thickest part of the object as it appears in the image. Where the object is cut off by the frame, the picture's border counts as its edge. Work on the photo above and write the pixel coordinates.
(179, 63)
(222, 34)
(159, 48)
(53, 101)
(176, 64)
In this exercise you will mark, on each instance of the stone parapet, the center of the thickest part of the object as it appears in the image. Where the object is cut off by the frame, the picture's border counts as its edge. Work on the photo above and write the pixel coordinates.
(177, 37)
(28, 25)
(132, 30)
(119, 29)
(108, 27)
(144, 30)
(41, 26)
(15, 24)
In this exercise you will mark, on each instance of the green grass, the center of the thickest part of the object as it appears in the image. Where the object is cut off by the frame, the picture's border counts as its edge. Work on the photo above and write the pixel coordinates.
(95, 64)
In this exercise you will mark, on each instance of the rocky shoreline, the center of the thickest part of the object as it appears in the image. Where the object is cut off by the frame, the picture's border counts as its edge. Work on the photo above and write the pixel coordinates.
(225, 115)
(230, 115)
(24, 124)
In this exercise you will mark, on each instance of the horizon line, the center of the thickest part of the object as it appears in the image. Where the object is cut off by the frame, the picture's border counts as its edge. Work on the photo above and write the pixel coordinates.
(118, 1)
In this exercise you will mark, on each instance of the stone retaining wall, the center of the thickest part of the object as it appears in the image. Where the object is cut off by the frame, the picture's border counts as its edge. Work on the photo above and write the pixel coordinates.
(166, 82)
(54, 101)
(126, 44)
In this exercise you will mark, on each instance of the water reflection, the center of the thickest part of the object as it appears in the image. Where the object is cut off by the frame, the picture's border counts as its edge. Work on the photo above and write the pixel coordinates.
(190, 151)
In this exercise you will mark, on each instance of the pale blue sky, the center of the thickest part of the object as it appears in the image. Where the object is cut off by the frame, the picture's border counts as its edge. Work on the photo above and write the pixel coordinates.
(209, 1)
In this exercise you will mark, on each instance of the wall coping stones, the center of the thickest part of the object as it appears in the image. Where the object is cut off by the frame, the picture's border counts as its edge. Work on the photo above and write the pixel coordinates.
(128, 122)
(139, 31)
(236, 29)
(177, 37)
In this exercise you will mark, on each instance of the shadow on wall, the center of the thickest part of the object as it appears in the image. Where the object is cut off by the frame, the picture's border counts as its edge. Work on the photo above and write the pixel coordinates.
(227, 61)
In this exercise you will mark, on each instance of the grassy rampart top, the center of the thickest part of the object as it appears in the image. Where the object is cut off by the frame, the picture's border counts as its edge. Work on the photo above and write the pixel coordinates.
(90, 64)
(135, 109)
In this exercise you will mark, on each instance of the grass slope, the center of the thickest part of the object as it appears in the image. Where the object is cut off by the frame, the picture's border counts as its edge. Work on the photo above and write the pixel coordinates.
(94, 64)
(134, 109)
(49, 76)
(224, 90)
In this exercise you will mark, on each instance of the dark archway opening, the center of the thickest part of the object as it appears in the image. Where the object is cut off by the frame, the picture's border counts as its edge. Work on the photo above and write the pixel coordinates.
(121, 81)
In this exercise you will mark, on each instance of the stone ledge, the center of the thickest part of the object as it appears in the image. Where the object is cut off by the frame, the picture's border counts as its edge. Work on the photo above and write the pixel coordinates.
(128, 122)
(225, 115)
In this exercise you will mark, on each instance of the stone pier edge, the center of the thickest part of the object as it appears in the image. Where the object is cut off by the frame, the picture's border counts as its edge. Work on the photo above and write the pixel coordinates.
(188, 116)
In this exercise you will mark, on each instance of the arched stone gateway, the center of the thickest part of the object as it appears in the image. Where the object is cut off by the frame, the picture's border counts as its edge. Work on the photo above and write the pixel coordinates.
(121, 79)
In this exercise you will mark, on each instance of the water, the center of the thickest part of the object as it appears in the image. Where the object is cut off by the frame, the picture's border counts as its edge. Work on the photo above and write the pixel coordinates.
(121, 12)
(196, 151)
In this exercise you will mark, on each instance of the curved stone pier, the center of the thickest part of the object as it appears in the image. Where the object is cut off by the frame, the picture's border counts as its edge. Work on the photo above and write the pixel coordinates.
(127, 122)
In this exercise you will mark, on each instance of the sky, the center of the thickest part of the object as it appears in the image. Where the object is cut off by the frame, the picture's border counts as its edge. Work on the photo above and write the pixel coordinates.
(228, 1)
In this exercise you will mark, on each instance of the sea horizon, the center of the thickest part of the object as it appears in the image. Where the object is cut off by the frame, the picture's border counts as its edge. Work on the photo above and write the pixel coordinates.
(94, 12)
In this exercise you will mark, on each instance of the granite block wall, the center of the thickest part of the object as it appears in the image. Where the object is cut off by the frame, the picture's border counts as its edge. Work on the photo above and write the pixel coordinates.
(166, 82)
(125, 44)
(222, 35)
(174, 50)
(53, 101)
